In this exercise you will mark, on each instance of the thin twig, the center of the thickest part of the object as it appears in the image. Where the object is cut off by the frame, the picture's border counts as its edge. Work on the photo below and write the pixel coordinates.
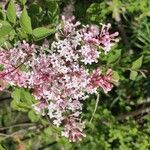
(20, 132)
(96, 105)
(2, 134)
(5, 98)
(17, 125)
(7, 91)
(133, 113)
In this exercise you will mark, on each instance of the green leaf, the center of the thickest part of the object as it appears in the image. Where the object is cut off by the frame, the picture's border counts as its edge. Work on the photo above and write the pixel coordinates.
(5, 43)
(5, 28)
(6, 32)
(53, 10)
(20, 106)
(1, 148)
(16, 95)
(138, 63)
(116, 75)
(27, 97)
(41, 33)
(14, 105)
(133, 75)
(22, 100)
(2, 40)
(113, 57)
(23, 2)
(2, 15)
(34, 9)
(33, 116)
(11, 12)
(48, 131)
(22, 34)
(1, 67)
(25, 22)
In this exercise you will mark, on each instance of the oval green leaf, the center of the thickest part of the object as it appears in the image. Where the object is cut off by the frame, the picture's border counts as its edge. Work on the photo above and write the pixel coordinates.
(42, 32)
(25, 22)
(11, 12)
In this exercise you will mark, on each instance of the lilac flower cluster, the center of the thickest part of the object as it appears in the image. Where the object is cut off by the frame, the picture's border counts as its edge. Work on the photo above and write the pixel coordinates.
(58, 76)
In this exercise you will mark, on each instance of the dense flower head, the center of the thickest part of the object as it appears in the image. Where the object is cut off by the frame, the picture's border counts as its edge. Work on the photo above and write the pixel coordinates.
(100, 37)
(103, 81)
(73, 129)
(59, 78)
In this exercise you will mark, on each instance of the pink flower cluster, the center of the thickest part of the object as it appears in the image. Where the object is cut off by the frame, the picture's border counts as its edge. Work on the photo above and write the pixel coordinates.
(11, 63)
(58, 76)
(73, 129)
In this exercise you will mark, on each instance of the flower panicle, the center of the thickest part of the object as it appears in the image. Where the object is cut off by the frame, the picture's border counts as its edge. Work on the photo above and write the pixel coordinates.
(59, 78)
